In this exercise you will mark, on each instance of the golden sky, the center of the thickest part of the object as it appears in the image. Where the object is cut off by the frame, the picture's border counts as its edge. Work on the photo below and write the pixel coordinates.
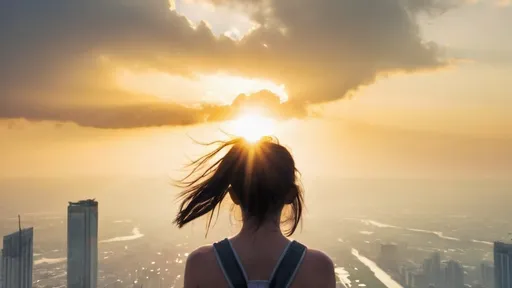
(413, 85)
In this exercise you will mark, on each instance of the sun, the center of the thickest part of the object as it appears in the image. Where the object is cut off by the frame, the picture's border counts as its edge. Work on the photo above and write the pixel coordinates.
(252, 126)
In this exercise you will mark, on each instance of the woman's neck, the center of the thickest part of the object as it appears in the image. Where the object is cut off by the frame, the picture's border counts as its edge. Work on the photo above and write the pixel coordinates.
(267, 229)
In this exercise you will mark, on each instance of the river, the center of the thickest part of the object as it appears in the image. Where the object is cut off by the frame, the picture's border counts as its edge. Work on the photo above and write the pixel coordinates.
(379, 273)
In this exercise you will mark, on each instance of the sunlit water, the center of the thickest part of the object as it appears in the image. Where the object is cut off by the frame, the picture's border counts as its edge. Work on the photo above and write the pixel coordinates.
(135, 235)
(343, 275)
(379, 273)
(436, 233)
(49, 261)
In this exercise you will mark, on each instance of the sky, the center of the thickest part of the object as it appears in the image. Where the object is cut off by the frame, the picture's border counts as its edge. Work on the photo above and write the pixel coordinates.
(418, 87)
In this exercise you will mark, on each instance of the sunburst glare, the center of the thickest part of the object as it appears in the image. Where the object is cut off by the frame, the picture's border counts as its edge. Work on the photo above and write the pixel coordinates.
(252, 126)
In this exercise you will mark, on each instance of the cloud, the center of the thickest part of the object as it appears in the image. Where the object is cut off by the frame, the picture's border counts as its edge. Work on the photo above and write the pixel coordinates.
(149, 114)
(494, 57)
(59, 57)
(264, 101)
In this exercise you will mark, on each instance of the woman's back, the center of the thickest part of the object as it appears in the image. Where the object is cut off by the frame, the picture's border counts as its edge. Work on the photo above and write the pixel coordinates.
(260, 261)
(262, 180)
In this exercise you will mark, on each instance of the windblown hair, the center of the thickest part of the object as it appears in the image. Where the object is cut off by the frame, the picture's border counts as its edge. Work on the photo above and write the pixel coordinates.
(261, 175)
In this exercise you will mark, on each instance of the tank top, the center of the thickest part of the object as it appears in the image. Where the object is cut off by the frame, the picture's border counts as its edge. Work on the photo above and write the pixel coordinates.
(282, 276)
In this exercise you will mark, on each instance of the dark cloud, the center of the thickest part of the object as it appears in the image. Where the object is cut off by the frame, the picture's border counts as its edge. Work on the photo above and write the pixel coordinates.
(119, 116)
(152, 113)
(58, 56)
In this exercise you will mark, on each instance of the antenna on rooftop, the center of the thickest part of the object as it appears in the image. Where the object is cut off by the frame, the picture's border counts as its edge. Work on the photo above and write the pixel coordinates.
(20, 250)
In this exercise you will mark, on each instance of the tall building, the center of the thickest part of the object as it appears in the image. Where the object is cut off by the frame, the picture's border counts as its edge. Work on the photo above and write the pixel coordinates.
(83, 244)
(502, 265)
(454, 275)
(17, 259)
(388, 257)
(487, 275)
(436, 269)
(405, 272)
(418, 280)
(432, 269)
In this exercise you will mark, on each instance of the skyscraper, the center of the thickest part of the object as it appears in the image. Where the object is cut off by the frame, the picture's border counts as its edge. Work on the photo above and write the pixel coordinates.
(388, 258)
(82, 244)
(436, 269)
(419, 280)
(454, 275)
(432, 269)
(17, 259)
(487, 275)
(502, 265)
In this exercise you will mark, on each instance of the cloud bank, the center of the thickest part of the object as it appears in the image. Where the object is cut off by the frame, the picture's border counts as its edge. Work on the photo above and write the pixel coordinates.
(58, 57)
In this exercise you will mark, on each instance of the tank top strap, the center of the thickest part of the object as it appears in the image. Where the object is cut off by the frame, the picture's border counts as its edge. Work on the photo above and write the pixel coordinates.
(230, 265)
(288, 266)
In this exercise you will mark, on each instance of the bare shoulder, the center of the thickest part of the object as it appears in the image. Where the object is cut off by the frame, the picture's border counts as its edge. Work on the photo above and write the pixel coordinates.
(201, 257)
(201, 267)
(201, 254)
(317, 270)
(319, 260)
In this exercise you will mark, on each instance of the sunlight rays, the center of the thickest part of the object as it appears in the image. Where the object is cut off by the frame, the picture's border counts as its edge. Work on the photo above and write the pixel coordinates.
(252, 126)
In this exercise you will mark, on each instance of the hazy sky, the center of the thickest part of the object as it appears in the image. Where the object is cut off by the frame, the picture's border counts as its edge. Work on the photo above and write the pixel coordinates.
(422, 87)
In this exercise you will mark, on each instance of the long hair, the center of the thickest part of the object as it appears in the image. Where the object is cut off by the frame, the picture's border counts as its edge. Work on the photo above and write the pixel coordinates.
(261, 175)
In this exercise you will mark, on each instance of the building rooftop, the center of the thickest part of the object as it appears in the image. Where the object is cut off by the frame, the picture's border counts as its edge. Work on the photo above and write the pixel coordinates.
(87, 203)
(24, 232)
(503, 247)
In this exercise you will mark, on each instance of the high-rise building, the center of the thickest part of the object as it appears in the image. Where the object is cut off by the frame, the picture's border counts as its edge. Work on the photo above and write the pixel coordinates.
(454, 275)
(436, 269)
(388, 257)
(17, 259)
(419, 280)
(432, 269)
(487, 275)
(428, 270)
(502, 265)
(83, 244)
(405, 271)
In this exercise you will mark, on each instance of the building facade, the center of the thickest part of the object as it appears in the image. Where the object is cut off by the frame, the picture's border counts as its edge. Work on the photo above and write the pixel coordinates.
(82, 244)
(487, 275)
(502, 265)
(432, 269)
(454, 275)
(389, 257)
(17, 259)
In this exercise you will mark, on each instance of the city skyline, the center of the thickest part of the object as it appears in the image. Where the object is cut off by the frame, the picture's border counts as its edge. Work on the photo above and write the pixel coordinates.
(82, 217)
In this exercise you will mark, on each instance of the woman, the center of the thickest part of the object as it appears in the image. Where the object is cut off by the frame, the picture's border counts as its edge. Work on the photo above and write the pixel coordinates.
(261, 179)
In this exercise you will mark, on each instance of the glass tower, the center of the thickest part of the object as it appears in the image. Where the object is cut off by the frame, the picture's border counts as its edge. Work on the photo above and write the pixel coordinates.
(82, 244)
(17, 259)
(502, 265)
